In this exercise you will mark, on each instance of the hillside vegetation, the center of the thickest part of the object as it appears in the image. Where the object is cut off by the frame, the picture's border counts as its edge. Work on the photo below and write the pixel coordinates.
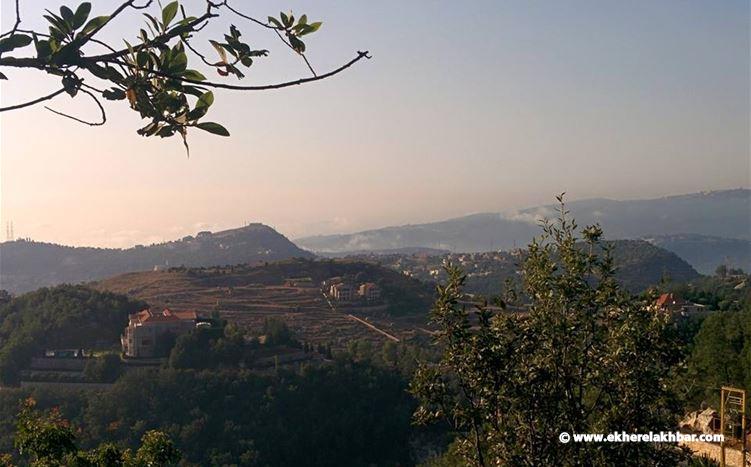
(61, 317)
(705, 252)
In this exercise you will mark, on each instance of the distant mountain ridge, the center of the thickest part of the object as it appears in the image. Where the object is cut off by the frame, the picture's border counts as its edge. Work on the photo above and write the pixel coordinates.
(720, 214)
(28, 265)
(705, 252)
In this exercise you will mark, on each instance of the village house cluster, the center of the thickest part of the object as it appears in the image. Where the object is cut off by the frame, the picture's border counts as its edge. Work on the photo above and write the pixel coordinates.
(343, 291)
(677, 305)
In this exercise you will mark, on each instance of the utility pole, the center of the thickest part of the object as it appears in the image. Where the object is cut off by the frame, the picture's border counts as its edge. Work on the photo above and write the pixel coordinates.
(732, 401)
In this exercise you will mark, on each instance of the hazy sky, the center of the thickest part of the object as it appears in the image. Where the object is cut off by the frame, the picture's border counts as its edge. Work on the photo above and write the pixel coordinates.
(465, 107)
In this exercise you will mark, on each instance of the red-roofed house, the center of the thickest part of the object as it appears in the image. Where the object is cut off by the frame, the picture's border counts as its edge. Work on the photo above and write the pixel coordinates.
(674, 304)
(146, 329)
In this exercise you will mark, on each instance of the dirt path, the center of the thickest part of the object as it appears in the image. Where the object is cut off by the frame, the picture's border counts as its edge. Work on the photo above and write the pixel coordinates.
(374, 328)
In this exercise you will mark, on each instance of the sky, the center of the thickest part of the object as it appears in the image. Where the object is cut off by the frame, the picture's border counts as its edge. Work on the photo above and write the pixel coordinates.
(465, 107)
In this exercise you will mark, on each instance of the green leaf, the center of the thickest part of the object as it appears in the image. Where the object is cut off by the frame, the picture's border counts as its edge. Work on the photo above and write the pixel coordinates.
(153, 21)
(114, 94)
(142, 59)
(205, 101)
(188, 89)
(220, 50)
(194, 75)
(214, 128)
(106, 73)
(178, 63)
(67, 14)
(57, 22)
(13, 42)
(275, 22)
(44, 49)
(94, 24)
(186, 20)
(297, 44)
(81, 15)
(315, 26)
(168, 13)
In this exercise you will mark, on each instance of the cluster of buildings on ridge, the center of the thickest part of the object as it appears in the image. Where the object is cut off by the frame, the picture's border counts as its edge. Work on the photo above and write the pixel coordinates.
(345, 292)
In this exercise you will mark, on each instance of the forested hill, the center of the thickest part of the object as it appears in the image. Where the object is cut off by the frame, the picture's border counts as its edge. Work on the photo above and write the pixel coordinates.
(705, 252)
(28, 265)
(639, 265)
(722, 214)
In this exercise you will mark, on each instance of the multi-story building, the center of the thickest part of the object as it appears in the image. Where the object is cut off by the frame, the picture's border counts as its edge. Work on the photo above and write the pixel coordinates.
(342, 292)
(369, 291)
(146, 330)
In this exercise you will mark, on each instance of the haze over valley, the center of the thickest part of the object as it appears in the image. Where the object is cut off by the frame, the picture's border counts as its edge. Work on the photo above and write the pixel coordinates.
(706, 230)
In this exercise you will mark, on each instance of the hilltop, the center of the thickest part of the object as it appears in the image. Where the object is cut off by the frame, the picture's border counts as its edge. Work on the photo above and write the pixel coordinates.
(28, 265)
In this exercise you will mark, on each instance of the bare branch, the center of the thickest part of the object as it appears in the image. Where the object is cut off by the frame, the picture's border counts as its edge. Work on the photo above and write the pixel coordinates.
(264, 87)
(15, 26)
(199, 54)
(268, 26)
(281, 38)
(35, 101)
(241, 15)
(24, 62)
(99, 104)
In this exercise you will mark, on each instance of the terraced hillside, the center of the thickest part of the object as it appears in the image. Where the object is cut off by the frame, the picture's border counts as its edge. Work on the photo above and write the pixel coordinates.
(248, 295)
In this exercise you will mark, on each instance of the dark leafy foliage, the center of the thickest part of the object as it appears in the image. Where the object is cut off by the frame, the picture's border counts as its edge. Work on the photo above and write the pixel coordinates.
(345, 413)
(721, 356)
(719, 292)
(46, 439)
(152, 75)
(587, 358)
(60, 317)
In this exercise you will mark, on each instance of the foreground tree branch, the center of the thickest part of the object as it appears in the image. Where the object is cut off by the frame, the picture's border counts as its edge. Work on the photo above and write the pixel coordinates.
(262, 87)
(79, 120)
(151, 75)
(33, 102)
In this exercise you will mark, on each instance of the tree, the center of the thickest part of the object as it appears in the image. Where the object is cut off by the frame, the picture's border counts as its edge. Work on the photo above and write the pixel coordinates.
(721, 356)
(153, 74)
(586, 358)
(277, 332)
(46, 439)
(104, 369)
